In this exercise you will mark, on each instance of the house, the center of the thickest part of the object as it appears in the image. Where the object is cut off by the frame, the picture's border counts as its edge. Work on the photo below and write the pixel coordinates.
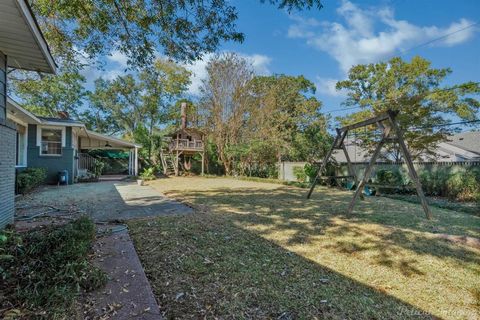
(461, 147)
(22, 46)
(60, 143)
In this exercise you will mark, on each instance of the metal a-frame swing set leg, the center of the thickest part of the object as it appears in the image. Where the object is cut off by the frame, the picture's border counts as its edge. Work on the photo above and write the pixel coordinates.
(387, 124)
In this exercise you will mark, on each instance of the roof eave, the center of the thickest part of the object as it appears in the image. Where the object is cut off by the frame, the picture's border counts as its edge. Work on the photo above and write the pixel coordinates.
(20, 109)
(113, 139)
(32, 23)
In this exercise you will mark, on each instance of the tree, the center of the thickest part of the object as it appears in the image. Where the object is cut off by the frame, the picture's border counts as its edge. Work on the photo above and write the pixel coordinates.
(136, 104)
(414, 89)
(225, 104)
(161, 87)
(184, 29)
(116, 103)
(256, 120)
(287, 116)
(46, 95)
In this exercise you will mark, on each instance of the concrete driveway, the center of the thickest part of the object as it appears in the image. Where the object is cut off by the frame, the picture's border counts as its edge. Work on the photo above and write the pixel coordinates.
(106, 200)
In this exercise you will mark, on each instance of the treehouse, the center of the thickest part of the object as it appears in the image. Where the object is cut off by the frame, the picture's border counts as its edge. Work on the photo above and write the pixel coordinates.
(184, 144)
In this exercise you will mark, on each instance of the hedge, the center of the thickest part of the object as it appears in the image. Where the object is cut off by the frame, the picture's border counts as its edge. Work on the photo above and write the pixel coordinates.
(30, 178)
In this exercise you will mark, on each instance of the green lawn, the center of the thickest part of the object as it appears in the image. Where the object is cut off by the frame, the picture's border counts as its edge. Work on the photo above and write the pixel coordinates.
(258, 250)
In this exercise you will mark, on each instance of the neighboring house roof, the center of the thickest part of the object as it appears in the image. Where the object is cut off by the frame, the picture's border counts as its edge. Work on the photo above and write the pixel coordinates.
(469, 141)
(464, 146)
(355, 152)
(17, 113)
(21, 38)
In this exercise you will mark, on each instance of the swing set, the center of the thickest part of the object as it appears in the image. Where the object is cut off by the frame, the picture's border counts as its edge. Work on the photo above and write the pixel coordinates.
(390, 133)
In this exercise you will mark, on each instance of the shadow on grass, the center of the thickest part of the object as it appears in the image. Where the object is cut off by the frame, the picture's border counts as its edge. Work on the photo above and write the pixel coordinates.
(207, 266)
(384, 224)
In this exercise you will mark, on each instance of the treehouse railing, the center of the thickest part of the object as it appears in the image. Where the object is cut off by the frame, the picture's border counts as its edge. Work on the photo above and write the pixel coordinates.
(185, 144)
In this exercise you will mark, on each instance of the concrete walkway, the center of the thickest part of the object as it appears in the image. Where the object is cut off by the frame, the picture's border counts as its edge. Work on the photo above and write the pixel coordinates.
(108, 200)
(128, 294)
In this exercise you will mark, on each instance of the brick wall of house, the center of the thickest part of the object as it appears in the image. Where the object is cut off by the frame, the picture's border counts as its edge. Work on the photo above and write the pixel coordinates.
(7, 154)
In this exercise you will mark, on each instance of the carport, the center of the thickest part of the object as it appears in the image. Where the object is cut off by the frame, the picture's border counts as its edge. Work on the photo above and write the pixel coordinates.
(89, 140)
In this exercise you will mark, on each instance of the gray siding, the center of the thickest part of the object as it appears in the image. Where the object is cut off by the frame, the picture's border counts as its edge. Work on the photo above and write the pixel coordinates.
(53, 164)
(7, 154)
(3, 85)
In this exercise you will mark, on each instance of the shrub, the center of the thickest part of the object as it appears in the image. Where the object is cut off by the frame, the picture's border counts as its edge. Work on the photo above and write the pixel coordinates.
(434, 182)
(148, 174)
(393, 178)
(42, 272)
(300, 174)
(310, 171)
(461, 186)
(464, 186)
(98, 166)
(30, 178)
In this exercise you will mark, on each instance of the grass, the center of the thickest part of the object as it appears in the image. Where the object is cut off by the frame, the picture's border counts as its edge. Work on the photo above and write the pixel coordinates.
(261, 250)
(43, 271)
(467, 207)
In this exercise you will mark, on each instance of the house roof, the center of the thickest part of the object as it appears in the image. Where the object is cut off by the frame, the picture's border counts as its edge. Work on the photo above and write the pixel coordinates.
(60, 120)
(16, 112)
(21, 38)
(469, 141)
(355, 152)
(115, 142)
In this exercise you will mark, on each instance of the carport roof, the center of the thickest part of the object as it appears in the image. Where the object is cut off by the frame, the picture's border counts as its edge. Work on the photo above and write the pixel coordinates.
(115, 141)
(21, 38)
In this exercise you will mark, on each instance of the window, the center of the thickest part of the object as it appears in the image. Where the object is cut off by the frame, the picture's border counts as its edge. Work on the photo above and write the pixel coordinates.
(51, 143)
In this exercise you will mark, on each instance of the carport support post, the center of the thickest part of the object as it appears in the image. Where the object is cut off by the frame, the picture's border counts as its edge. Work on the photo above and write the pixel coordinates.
(136, 162)
(129, 162)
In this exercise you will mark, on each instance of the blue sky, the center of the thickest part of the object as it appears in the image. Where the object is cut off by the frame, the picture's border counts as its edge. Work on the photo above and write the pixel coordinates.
(323, 44)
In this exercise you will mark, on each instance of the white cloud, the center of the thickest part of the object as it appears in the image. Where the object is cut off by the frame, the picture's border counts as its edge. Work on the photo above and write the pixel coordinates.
(118, 57)
(356, 40)
(198, 68)
(327, 87)
(117, 64)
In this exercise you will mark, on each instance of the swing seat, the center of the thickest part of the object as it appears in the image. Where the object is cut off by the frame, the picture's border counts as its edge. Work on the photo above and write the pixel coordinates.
(350, 185)
(369, 191)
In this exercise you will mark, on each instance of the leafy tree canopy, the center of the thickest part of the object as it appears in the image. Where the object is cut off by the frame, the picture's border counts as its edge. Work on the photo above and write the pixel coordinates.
(45, 95)
(136, 105)
(414, 89)
(257, 120)
(183, 29)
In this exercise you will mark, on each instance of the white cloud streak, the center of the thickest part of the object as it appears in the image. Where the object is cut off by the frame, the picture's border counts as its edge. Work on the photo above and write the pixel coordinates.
(327, 86)
(356, 41)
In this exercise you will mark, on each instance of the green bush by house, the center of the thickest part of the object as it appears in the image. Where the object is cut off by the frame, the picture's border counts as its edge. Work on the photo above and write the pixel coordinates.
(30, 178)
